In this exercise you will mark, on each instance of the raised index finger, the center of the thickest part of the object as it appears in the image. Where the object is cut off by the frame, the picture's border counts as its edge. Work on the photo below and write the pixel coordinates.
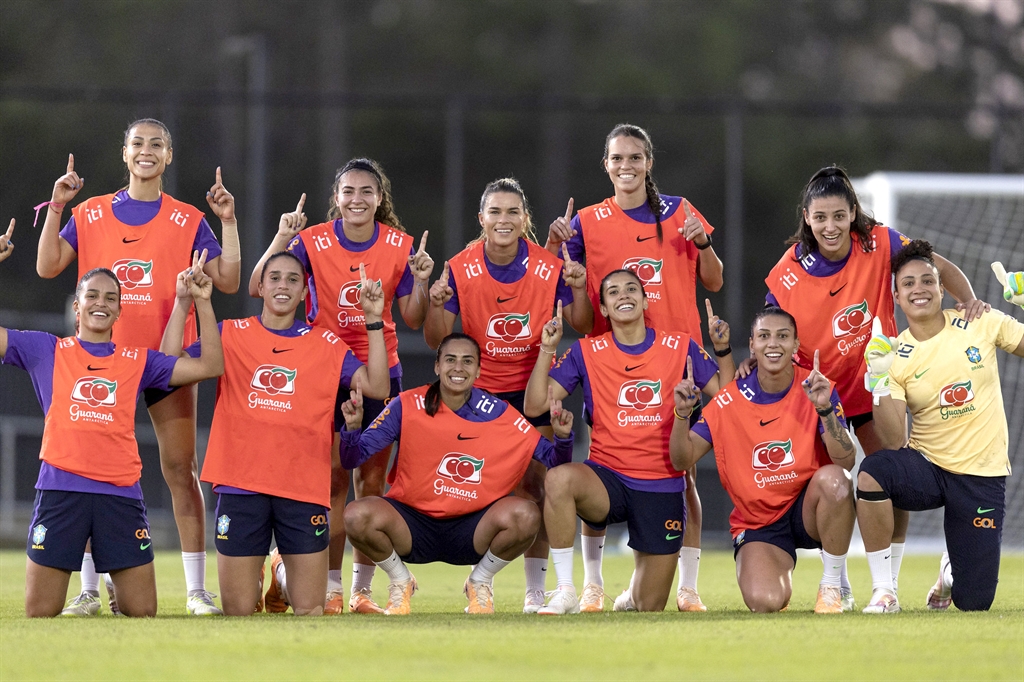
(219, 181)
(565, 253)
(362, 275)
(302, 202)
(559, 315)
(816, 361)
(71, 163)
(423, 241)
(689, 367)
(10, 230)
(876, 327)
(202, 259)
(687, 209)
(711, 313)
(568, 210)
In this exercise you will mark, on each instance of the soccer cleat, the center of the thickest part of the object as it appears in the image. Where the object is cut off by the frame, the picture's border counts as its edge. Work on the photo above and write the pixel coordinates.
(275, 601)
(399, 596)
(848, 602)
(480, 596)
(334, 604)
(201, 604)
(883, 601)
(259, 602)
(85, 604)
(111, 597)
(534, 601)
(830, 600)
(362, 602)
(687, 600)
(941, 594)
(592, 599)
(624, 602)
(563, 601)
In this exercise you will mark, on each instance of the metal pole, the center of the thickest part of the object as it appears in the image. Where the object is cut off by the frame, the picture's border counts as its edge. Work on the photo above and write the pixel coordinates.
(733, 256)
(454, 176)
(8, 469)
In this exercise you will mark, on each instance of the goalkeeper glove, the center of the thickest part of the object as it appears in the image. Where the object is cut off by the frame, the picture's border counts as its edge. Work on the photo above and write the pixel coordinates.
(879, 356)
(1013, 284)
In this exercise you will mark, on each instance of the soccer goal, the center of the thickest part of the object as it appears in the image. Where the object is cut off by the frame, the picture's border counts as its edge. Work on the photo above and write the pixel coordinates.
(972, 220)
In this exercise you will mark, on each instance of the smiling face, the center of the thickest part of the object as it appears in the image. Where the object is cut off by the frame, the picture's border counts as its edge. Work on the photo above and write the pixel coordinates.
(773, 342)
(457, 366)
(830, 218)
(503, 219)
(627, 164)
(918, 290)
(97, 305)
(147, 151)
(622, 298)
(358, 197)
(283, 286)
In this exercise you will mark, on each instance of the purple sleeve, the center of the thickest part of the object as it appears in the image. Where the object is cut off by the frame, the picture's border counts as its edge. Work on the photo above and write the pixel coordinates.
(349, 367)
(563, 292)
(837, 407)
(157, 374)
(452, 305)
(897, 240)
(70, 233)
(407, 282)
(575, 243)
(359, 446)
(33, 352)
(552, 454)
(298, 249)
(568, 372)
(702, 429)
(196, 349)
(769, 299)
(206, 239)
(704, 368)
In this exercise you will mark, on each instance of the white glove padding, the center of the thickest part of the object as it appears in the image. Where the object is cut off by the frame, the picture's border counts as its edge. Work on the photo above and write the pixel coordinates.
(1013, 284)
(879, 355)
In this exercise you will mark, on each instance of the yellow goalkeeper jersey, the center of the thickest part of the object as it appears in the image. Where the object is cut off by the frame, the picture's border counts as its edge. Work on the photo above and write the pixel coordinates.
(951, 386)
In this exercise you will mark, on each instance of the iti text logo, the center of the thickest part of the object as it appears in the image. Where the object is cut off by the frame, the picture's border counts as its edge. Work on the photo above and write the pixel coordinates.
(274, 380)
(134, 273)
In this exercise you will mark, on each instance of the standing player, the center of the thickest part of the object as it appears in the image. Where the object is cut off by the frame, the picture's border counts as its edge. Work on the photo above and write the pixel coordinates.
(667, 242)
(463, 453)
(88, 484)
(625, 374)
(362, 228)
(942, 370)
(783, 457)
(835, 279)
(269, 455)
(504, 286)
(146, 237)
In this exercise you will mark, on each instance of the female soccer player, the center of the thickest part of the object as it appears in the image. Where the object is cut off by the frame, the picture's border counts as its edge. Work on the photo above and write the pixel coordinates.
(362, 228)
(88, 484)
(942, 370)
(146, 237)
(269, 454)
(783, 456)
(464, 452)
(504, 286)
(667, 242)
(625, 374)
(835, 279)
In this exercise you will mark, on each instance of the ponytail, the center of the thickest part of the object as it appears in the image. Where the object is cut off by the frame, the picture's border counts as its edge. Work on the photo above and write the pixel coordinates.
(432, 401)
(831, 181)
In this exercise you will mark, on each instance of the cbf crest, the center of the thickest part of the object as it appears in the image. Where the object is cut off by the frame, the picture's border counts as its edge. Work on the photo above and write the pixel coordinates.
(38, 534)
(973, 354)
(223, 523)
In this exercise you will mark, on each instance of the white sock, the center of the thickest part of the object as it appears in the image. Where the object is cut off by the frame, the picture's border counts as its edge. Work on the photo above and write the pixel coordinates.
(897, 559)
(195, 570)
(395, 568)
(90, 578)
(833, 568)
(362, 576)
(593, 552)
(844, 579)
(282, 581)
(536, 573)
(689, 566)
(562, 559)
(881, 570)
(484, 571)
(334, 581)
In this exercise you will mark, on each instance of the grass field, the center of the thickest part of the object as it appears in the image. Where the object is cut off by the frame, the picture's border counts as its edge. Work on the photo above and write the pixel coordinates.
(440, 642)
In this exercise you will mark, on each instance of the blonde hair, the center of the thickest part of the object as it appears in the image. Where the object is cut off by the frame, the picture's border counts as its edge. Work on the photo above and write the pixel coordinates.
(509, 186)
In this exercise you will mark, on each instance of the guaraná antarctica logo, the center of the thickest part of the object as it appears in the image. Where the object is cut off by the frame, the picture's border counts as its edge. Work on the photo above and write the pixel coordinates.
(274, 380)
(134, 273)
(348, 296)
(509, 327)
(460, 468)
(640, 394)
(95, 392)
(647, 269)
(850, 320)
(773, 455)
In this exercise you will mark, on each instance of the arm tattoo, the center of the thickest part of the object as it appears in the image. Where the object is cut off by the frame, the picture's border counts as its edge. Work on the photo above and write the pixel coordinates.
(840, 435)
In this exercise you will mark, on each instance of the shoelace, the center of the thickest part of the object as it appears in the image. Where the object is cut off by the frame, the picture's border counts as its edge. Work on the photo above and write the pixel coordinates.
(483, 594)
(205, 597)
(82, 598)
(395, 593)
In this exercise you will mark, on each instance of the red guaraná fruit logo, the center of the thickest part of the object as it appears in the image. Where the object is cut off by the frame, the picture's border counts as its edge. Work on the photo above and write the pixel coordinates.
(773, 455)
(274, 380)
(640, 394)
(509, 327)
(460, 468)
(348, 297)
(95, 392)
(647, 269)
(134, 273)
(955, 395)
(849, 320)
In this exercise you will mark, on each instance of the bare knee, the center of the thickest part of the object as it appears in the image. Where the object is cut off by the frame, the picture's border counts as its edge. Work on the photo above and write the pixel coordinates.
(834, 483)
(558, 483)
(39, 611)
(765, 601)
(358, 519)
(179, 468)
(526, 519)
(866, 482)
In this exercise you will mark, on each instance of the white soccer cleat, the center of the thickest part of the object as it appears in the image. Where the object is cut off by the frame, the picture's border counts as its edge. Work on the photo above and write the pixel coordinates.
(85, 604)
(563, 601)
(201, 604)
(624, 602)
(534, 601)
(883, 601)
(688, 601)
(941, 594)
(848, 602)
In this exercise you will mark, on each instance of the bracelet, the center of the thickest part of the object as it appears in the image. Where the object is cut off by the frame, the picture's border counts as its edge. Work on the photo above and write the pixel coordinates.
(53, 206)
(824, 412)
(374, 326)
(705, 245)
(681, 418)
(545, 350)
(723, 353)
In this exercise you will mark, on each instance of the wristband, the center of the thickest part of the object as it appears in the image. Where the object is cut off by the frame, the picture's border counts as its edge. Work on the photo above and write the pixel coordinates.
(545, 350)
(54, 206)
(723, 353)
(705, 245)
(824, 412)
(374, 326)
(680, 418)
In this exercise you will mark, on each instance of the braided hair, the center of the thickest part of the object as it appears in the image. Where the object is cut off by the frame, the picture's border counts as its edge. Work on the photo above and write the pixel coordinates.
(653, 196)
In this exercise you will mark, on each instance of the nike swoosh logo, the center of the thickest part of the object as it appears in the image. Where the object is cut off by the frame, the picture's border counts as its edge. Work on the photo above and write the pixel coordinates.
(130, 241)
(321, 532)
(671, 537)
(95, 369)
(985, 511)
(918, 376)
(643, 239)
(281, 350)
(505, 300)
(461, 437)
(833, 293)
(766, 423)
(630, 369)
(353, 269)
(887, 556)
(145, 546)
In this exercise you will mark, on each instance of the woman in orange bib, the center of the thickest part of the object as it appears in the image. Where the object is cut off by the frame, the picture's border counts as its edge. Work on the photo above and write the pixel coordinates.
(667, 242)
(784, 457)
(505, 286)
(362, 230)
(146, 237)
(463, 453)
